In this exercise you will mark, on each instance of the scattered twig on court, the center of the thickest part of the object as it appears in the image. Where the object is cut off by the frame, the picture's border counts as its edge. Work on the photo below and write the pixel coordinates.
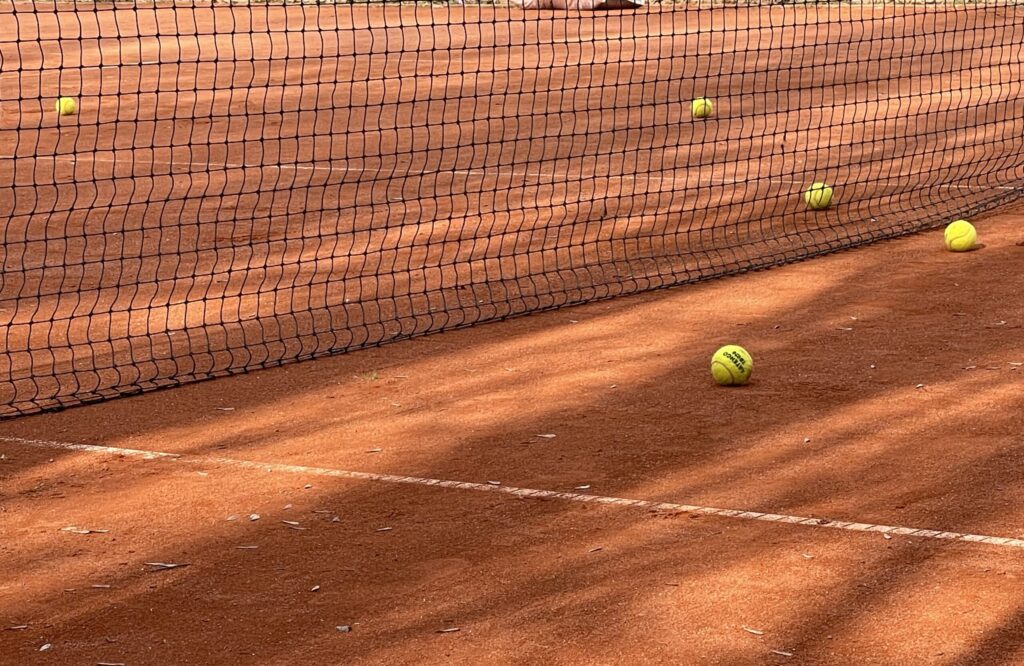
(162, 566)
(756, 632)
(82, 530)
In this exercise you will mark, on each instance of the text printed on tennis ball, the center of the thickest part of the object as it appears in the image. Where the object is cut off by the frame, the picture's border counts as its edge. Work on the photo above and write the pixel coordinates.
(737, 359)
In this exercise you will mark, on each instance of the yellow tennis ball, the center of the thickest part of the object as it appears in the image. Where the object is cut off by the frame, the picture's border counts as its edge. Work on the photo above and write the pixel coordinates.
(731, 365)
(960, 236)
(818, 196)
(701, 107)
(66, 106)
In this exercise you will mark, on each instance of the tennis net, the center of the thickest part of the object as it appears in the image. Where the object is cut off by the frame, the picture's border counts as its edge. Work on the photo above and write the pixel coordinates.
(244, 185)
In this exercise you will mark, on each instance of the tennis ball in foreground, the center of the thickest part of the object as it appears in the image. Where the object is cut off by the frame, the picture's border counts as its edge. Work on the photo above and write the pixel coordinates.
(960, 236)
(66, 106)
(731, 365)
(818, 196)
(701, 107)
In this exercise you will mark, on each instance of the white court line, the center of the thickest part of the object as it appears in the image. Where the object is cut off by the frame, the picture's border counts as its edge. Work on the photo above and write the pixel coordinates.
(315, 168)
(526, 492)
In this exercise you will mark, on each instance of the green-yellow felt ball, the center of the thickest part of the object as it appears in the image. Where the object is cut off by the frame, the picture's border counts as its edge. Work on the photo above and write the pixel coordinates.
(731, 365)
(701, 107)
(66, 106)
(818, 196)
(960, 236)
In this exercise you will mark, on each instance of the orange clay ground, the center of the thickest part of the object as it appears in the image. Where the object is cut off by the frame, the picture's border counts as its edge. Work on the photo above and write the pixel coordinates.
(887, 390)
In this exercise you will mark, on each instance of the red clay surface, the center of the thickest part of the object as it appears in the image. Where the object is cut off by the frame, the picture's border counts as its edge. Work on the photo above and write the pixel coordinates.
(246, 185)
(900, 363)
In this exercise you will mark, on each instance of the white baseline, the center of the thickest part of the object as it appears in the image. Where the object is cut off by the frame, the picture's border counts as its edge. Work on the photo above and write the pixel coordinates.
(807, 521)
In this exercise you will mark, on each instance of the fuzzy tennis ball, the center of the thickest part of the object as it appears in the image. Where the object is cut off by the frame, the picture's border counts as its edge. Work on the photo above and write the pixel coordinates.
(66, 106)
(818, 196)
(731, 365)
(701, 107)
(960, 236)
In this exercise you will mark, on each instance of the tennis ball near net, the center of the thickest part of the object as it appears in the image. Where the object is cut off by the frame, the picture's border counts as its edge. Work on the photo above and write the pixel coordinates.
(701, 107)
(818, 196)
(960, 236)
(731, 365)
(66, 106)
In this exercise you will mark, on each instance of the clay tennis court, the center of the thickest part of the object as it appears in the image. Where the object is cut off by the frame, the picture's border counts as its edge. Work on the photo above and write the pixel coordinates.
(569, 487)
(623, 387)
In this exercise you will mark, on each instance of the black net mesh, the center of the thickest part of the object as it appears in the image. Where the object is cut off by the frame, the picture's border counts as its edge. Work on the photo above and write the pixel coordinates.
(243, 185)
